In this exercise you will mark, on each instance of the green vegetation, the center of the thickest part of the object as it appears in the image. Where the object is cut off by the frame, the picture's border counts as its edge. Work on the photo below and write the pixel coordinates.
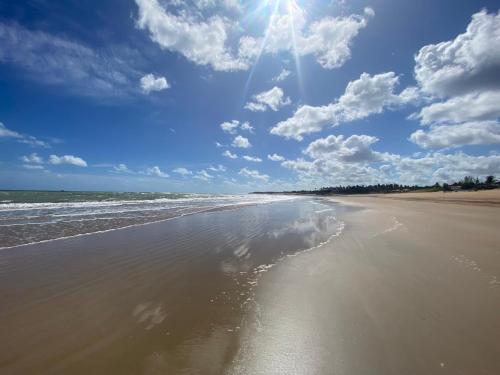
(467, 183)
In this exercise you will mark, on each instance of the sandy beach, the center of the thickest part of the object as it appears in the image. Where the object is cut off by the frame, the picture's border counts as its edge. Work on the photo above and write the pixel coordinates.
(340, 285)
(410, 287)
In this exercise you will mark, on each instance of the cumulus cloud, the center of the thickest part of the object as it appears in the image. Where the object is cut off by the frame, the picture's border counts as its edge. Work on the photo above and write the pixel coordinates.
(272, 99)
(151, 83)
(67, 159)
(363, 97)
(182, 171)
(252, 158)
(203, 42)
(156, 171)
(468, 133)
(231, 127)
(468, 63)
(354, 149)
(218, 168)
(203, 175)
(32, 158)
(284, 74)
(462, 75)
(253, 174)
(275, 157)
(241, 142)
(339, 160)
(426, 169)
(247, 127)
(229, 154)
(121, 168)
(204, 38)
(435, 167)
(328, 39)
(470, 107)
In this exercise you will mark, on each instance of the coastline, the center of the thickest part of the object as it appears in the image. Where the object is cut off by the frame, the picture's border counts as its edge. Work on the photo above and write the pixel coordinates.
(344, 284)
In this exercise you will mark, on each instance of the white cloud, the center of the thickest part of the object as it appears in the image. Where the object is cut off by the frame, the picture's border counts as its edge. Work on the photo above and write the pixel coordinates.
(462, 74)
(275, 157)
(338, 160)
(7, 133)
(273, 99)
(121, 168)
(427, 169)
(241, 142)
(230, 126)
(468, 133)
(252, 158)
(232, 5)
(151, 83)
(67, 159)
(218, 168)
(229, 154)
(246, 126)
(439, 167)
(156, 171)
(21, 138)
(284, 74)
(254, 174)
(354, 149)
(182, 171)
(203, 37)
(203, 42)
(363, 97)
(32, 158)
(471, 107)
(329, 39)
(468, 63)
(203, 175)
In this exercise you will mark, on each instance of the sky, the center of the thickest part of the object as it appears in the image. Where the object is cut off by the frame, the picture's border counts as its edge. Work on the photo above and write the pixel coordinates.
(228, 96)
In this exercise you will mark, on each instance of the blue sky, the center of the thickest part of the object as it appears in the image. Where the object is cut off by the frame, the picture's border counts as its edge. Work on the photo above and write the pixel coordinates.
(231, 96)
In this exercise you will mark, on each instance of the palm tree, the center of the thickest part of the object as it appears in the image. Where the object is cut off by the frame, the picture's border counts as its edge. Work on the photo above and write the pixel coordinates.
(490, 180)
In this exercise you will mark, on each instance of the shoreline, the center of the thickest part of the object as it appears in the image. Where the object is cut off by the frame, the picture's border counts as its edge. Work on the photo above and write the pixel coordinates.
(392, 286)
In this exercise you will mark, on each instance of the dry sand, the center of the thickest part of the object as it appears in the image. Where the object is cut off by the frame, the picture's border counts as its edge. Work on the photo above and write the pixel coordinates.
(484, 197)
(410, 287)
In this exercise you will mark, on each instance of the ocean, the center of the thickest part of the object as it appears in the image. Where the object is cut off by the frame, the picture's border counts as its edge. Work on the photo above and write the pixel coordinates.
(36, 216)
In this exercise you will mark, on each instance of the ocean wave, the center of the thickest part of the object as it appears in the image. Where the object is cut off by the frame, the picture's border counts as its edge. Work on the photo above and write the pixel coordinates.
(82, 218)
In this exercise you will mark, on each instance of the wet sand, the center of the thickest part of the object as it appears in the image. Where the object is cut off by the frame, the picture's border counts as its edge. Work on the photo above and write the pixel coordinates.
(410, 287)
(162, 298)
(364, 285)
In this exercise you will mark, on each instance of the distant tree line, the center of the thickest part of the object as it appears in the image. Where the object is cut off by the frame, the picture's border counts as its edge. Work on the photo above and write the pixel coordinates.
(471, 183)
(467, 183)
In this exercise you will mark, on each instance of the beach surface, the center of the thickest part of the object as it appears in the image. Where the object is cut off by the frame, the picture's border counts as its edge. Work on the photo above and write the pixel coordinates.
(410, 287)
(337, 285)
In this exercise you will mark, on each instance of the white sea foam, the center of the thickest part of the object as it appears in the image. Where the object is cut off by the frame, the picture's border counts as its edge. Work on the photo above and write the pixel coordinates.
(22, 223)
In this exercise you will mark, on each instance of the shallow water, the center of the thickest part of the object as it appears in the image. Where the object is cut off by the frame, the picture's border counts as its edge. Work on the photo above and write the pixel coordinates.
(31, 216)
(166, 297)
